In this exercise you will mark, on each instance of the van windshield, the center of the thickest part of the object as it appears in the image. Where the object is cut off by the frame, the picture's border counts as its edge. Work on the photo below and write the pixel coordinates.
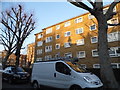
(77, 68)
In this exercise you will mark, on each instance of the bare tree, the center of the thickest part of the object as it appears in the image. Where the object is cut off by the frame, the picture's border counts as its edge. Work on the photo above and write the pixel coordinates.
(107, 74)
(22, 26)
(7, 38)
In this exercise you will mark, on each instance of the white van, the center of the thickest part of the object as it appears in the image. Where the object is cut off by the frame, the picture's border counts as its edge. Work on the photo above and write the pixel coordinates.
(64, 75)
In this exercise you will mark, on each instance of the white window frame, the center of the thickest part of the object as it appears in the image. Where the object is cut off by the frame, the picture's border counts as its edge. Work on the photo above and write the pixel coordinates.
(78, 20)
(83, 66)
(38, 59)
(57, 37)
(96, 65)
(69, 54)
(68, 33)
(114, 36)
(67, 44)
(57, 27)
(49, 30)
(58, 46)
(115, 54)
(80, 42)
(39, 51)
(91, 28)
(78, 54)
(66, 24)
(79, 30)
(48, 48)
(48, 57)
(48, 39)
(94, 55)
(96, 40)
(39, 43)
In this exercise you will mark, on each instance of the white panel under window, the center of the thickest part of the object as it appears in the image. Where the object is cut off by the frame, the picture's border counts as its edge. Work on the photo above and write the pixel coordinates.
(95, 53)
(81, 54)
(68, 54)
(67, 44)
(57, 27)
(90, 16)
(79, 30)
(66, 24)
(68, 33)
(48, 30)
(80, 42)
(40, 43)
(115, 36)
(78, 20)
(94, 39)
(40, 35)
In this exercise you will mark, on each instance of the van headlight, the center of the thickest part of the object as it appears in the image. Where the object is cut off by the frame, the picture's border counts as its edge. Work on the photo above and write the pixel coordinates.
(88, 79)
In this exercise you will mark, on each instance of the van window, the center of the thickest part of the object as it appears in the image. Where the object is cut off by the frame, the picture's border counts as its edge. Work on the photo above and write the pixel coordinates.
(62, 68)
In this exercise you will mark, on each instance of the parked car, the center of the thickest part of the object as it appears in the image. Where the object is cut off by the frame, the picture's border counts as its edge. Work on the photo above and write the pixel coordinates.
(15, 74)
(64, 75)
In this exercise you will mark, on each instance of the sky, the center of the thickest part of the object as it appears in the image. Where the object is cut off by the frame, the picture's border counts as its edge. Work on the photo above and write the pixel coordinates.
(46, 13)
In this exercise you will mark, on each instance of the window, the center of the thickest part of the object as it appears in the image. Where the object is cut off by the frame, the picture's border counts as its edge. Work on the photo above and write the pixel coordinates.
(83, 66)
(78, 20)
(95, 53)
(49, 39)
(67, 44)
(112, 21)
(57, 27)
(48, 30)
(81, 54)
(94, 39)
(115, 65)
(92, 27)
(48, 48)
(113, 37)
(57, 36)
(57, 46)
(39, 51)
(114, 51)
(48, 57)
(68, 54)
(40, 43)
(40, 35)
(66, 24)
(80, 42)
(39, 59)
(96, 65)
(90, 16)
(62, 68)
(79, 30)
(67, 33)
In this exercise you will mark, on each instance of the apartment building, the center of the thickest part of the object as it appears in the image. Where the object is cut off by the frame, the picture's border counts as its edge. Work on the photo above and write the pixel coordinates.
(78, 37)
(30, 53)
(12, 59)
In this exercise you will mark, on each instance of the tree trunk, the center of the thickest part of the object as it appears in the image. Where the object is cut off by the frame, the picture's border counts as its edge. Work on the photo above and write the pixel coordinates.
(107, 74)
(17, 55)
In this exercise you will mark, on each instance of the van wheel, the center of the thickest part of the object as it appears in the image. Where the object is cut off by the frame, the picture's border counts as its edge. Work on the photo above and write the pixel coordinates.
(75, 88)
(35, 85)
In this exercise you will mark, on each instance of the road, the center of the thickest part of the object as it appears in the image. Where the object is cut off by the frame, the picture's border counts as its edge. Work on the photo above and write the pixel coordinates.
(21, 86)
